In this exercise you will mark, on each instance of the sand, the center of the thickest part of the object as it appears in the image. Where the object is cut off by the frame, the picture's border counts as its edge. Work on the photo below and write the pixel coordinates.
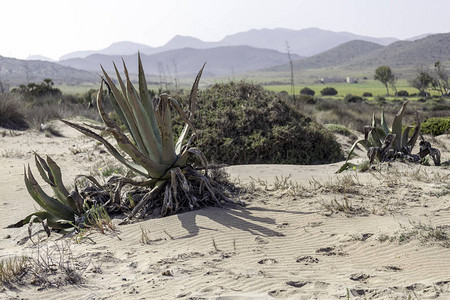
(306, 233)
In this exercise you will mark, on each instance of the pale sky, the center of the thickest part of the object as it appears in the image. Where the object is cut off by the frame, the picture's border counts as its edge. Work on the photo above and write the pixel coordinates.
(53, 28)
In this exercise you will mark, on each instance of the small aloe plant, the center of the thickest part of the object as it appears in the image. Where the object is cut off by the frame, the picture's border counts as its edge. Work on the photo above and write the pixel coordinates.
(385, 144)
(149, 144)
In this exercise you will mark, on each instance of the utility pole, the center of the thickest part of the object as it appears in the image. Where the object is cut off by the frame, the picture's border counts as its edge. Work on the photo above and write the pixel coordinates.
(288, 50)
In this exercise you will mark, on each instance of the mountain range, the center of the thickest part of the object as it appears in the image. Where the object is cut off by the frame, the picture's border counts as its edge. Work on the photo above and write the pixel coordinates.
(262, 50)
(362, 55)
(304, 42)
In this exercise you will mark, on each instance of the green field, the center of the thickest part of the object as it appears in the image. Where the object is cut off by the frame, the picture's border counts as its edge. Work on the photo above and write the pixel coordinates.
(371, 86)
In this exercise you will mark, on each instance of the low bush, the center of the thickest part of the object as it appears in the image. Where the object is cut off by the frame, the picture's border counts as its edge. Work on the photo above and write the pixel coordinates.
(308, 99)
(436, 126)
(307, 91)
(353, 99)
(403, 93)
(367, 94)
(328, 91)
(241, 123)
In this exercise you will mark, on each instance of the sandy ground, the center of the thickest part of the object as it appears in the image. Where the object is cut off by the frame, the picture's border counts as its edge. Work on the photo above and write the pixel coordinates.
(306, 233)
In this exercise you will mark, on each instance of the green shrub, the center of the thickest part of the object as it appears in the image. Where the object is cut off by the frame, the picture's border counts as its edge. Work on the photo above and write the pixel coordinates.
(353, 99)
(241, 123)
(307, 91)
(403, 93)
(436, 126)
(367, 94)
(308, 99)
(328, 91)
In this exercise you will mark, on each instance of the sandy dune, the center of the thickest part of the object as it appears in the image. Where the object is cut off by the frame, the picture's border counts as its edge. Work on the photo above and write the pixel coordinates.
(306, 233)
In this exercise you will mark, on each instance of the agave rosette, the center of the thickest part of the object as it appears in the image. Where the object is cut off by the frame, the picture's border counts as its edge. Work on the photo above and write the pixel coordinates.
(150, 145)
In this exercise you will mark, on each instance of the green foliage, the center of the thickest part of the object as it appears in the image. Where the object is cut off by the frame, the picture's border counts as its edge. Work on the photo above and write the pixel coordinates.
(367, 94)
(307, 99)
(384, 75)
(403, 93)
(384, 144)
(353, 98)
(307, 91)
(150, 149)
(242, 123)
(329, 91)
(59, 212)
(436, 126)
(45, 88)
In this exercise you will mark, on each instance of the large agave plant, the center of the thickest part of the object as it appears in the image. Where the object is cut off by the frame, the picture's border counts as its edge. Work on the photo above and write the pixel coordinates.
(385, 144)
(150, 147)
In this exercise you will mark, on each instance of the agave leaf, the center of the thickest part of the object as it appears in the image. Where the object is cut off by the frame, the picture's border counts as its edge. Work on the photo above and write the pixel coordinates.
(43, 169)
(181, 138)
(143, 123)
(397, 126)
(374, 122)
(122, 102)
(52, 205)
(346, 166)
(383, 123)
(59, 189)
(131, 165)
(193, 94)
(361, 142)
(32, 192)
(52, 221)
(164, 120)
(374, 138)
(202, 158)
(147, 102)
(415, 134)
(405, 137)
(154, 169)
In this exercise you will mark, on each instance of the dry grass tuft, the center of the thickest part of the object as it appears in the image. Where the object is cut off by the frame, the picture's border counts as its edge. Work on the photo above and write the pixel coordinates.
(12, 115)
(12, 267)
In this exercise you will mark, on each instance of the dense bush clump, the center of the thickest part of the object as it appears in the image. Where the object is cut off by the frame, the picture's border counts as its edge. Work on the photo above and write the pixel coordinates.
(307, 91)
(308, 99)
(367, 94)
(353, 98)
(436, 126)
(328, 91)
(241, 123)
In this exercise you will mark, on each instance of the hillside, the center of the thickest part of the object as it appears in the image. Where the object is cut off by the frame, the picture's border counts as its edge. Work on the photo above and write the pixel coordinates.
(360, 55)
(15, 71)
(340, 55)
(221, 61)
(405, 54)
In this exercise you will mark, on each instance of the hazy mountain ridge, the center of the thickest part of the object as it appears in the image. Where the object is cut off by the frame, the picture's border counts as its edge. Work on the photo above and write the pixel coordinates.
(187, 61)
(15, 71)
(304, 42)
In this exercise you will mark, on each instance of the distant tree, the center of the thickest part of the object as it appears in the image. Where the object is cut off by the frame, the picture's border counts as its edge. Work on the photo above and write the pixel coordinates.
(307, 91)
(384, 75)
(441, 79)
(422, 81)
